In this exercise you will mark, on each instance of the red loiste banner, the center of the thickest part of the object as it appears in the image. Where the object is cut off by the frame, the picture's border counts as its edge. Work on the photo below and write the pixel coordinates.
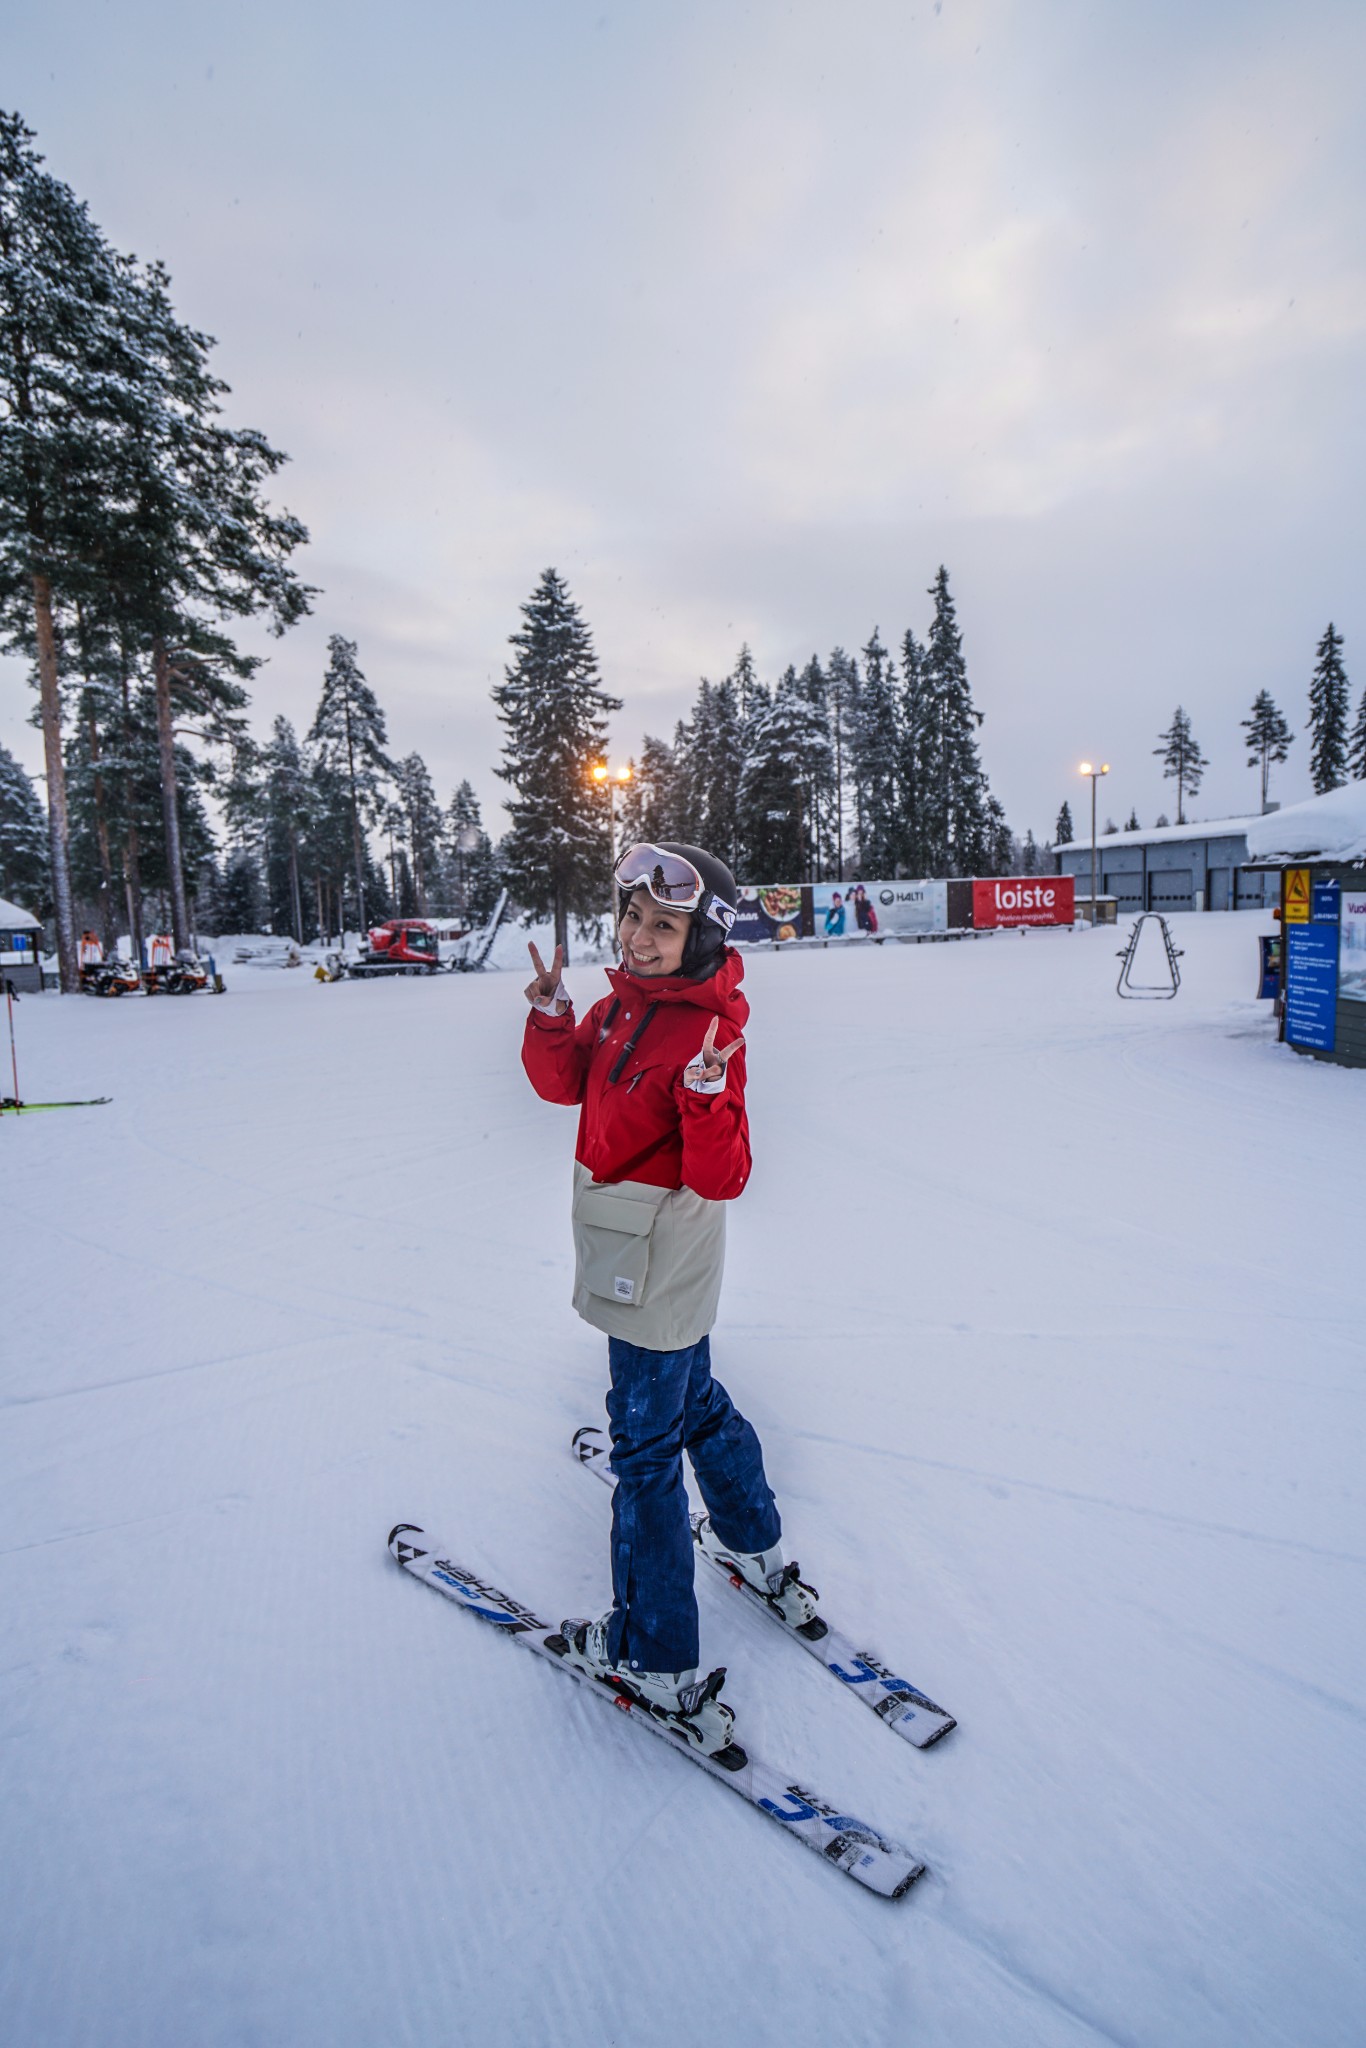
(1023, 899)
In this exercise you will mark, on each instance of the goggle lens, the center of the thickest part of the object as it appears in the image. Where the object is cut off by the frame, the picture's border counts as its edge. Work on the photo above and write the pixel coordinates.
(670, 879)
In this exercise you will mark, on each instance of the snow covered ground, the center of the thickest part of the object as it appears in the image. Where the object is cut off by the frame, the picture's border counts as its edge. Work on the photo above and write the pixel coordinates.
(1049, 1310)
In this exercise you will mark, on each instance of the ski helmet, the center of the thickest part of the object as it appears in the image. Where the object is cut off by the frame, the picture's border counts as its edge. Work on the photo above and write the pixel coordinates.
(711, 917)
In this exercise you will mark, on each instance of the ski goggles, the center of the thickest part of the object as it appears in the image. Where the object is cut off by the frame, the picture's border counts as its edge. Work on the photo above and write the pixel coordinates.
(672, 880)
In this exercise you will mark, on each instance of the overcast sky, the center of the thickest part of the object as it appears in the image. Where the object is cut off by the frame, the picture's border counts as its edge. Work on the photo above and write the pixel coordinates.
(747, 317)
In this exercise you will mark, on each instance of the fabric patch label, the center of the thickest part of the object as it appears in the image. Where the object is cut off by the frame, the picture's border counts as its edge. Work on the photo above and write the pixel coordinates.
(623, 1288)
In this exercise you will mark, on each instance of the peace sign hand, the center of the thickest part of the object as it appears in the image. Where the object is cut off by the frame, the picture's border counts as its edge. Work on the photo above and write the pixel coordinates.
(547, 979)
(710, 1065)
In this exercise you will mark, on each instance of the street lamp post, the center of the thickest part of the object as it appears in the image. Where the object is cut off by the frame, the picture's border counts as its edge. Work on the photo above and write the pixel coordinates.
(605, 779)
(1095, 774)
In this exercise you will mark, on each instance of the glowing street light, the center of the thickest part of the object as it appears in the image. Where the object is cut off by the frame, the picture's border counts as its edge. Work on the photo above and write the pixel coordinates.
(605, 779)
(1095, 774)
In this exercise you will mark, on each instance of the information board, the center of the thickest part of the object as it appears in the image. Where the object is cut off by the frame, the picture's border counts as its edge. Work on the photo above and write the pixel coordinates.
(1352, 947)
(1311, 986)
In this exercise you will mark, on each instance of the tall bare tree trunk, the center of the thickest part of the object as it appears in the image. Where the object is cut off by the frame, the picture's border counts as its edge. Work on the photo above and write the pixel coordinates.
(295, 895)
(102, 839)
(57, 826)
(170, 809)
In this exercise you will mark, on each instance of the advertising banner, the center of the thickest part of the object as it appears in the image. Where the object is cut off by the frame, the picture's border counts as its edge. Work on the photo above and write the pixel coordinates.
(1352, 947)
(1023, 899)
(839, 910)
(1311, 986)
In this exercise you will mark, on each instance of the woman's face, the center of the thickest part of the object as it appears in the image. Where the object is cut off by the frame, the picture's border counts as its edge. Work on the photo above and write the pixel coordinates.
(652, 937)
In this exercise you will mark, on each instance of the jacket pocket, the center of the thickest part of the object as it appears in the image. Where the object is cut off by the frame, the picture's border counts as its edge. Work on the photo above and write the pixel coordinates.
(613, 1227)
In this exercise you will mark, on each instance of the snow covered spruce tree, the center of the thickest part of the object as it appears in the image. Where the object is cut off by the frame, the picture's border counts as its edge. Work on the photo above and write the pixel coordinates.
(287, 810)
(1356, 760)
(872, 760)
(23, 839)
(841, 695)
(422, 822)
(651, 806)
(1062, 831)
(916, 735)
(554, 712)
(1268, 737)
(959, 828)
(1182, 760)
(1328, 708)
(350, 735)
(788, 761)
(470, 871)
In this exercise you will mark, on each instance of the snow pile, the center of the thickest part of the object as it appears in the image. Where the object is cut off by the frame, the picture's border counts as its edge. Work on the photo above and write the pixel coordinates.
(1329, 827)
(1048, 1309)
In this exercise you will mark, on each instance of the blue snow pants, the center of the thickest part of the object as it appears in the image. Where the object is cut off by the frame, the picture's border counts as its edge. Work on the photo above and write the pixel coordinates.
(661, 1404)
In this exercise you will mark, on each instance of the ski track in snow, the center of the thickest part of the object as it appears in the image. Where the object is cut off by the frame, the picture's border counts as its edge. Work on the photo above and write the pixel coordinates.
(1048, 1310)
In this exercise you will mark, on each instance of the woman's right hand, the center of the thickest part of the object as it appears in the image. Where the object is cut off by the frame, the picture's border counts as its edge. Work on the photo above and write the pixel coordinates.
(543, 988)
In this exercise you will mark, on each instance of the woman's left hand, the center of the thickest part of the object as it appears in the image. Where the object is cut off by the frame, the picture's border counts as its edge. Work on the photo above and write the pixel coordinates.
(710, 1065)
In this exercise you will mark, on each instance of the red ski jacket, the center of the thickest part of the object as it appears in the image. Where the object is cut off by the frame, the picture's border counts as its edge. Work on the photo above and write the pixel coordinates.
(624, 1063)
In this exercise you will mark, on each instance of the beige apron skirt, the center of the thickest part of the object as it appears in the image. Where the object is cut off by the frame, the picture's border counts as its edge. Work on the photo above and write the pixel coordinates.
(647, 1261)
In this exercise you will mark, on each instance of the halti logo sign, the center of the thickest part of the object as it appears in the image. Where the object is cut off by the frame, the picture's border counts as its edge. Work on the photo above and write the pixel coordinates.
(1023, 899)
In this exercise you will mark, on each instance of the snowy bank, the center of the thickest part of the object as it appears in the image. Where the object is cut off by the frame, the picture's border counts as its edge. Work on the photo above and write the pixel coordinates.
(1329, 827)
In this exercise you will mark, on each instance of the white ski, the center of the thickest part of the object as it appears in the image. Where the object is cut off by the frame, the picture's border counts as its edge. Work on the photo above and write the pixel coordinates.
(850, 1844)
(911, 1713)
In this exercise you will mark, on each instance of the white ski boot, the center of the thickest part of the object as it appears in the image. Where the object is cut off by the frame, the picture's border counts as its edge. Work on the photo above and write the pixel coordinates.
(687, 1703)
(781, 1585)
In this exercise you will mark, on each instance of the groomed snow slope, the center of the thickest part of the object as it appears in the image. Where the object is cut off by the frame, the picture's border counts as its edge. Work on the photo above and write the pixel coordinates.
(1048, 1309)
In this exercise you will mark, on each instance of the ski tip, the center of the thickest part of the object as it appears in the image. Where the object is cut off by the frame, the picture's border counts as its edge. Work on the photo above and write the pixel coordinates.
(403, 1529)
(586, 1442)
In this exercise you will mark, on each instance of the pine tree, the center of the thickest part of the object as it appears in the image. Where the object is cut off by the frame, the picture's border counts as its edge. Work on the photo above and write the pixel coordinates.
(1029, 854)
(23, 839)
(472, 873)
(1183, 762)
(873, 751)
(746, 685)
(1328, 708)
(1133, 824)
(241, 903)
(554, 712)
(650, 808)
(288, 811)
(959, 824)
(916, 757)
(842, 688)
(350, 733)
(1062, 831)
(706, 770)
(1357, 758)
(422, 825)
(63, 374)
(774, 794)
(1268, 737)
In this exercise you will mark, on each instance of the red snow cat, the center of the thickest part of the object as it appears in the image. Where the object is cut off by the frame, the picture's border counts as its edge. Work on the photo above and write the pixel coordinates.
(404, 945)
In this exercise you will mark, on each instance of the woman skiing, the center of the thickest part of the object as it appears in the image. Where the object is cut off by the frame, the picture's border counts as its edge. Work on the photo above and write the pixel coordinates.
(658, 1069)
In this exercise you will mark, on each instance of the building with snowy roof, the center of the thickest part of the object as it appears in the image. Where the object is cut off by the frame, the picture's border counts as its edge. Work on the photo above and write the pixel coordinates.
(1316, 853)
(20, 937)
(1172, 867)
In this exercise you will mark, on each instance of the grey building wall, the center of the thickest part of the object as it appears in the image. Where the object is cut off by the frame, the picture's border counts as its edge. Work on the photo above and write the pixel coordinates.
(1169, 873)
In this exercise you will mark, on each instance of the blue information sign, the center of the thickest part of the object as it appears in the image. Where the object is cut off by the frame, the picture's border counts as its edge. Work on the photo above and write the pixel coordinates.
(1327, 902)
(1311, 985)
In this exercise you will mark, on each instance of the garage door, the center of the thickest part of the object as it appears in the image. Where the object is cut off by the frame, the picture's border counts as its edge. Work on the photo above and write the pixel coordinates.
(1126, 889)
(1172, 889)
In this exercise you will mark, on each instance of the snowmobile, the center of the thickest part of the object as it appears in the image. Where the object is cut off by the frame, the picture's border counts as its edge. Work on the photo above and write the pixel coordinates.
(402, 945)
(105, 977)
(174, 974)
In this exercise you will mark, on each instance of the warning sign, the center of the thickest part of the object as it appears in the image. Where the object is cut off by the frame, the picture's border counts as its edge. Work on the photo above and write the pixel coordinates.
(1297, 895)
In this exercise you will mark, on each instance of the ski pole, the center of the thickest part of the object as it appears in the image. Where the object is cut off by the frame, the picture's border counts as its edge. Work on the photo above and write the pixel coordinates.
(13, 1056)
